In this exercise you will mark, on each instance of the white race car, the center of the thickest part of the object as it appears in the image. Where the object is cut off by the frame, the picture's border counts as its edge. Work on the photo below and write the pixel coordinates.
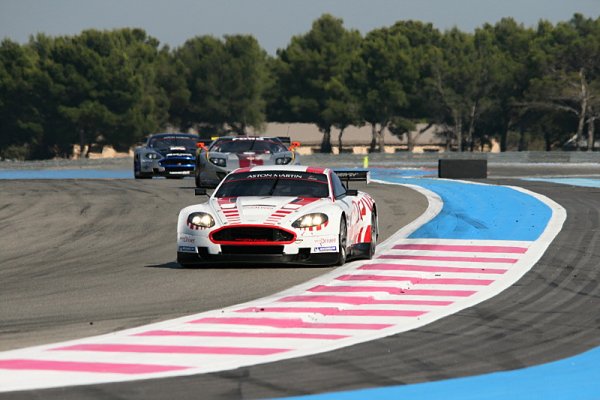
(228, 153)
(280, 214)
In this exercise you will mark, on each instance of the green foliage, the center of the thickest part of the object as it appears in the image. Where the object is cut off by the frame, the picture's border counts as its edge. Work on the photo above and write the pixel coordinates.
(225, 83)
(568, 57)
(20, 122)
(313, 74)
(503, 81)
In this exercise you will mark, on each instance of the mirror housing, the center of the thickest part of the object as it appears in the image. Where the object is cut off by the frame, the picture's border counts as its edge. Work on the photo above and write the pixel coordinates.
(294, 146)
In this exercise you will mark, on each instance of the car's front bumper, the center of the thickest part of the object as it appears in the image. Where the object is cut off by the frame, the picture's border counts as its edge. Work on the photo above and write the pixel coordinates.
(168, 167)
(308, 248)
(303, 258)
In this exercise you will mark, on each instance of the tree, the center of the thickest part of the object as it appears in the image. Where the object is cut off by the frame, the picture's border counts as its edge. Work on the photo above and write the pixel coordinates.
(313, 72)
(465, 75)
(226, 81)
(246, 79)
(388, 72)
(20, 121)
(569, 54)
(516, 68)
(424, 43)
(99, 87)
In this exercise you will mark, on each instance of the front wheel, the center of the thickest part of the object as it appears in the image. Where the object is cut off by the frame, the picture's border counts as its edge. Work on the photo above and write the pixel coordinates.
(137, 172)
(343, 242)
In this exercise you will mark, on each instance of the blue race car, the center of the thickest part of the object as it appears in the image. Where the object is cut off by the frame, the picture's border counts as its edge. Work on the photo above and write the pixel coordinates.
(172, 155)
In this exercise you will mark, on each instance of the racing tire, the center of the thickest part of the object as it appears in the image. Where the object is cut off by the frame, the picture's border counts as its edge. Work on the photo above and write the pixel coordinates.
(343, 243)
(137, 174)
(374, 235)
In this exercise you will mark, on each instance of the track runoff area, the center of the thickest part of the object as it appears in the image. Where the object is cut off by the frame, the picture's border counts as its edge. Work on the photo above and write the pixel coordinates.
(474, 241)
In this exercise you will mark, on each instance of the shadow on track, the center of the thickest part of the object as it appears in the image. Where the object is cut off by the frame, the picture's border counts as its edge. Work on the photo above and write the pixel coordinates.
(216, 266)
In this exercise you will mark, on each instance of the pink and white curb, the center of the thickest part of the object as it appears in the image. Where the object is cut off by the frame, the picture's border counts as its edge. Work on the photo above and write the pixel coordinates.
(410, 283)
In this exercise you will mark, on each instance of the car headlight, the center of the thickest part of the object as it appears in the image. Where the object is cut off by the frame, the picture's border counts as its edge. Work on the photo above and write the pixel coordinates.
(310, 220)
(283, 160)
(201, 219)
(219, 162)
(153, 156)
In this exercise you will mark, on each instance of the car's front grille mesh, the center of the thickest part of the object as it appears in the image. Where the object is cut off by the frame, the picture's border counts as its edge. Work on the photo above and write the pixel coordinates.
(252, 234)
(252, 250)
(177, 161)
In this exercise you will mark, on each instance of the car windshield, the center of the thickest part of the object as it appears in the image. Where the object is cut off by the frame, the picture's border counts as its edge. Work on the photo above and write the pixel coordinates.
(172, 141)
(244, 145)
(274, 183)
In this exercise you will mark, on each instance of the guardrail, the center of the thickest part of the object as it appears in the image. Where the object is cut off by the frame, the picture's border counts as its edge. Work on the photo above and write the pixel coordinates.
(513, 157)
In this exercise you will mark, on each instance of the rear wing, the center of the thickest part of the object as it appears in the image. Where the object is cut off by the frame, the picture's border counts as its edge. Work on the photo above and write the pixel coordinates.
(353, 175)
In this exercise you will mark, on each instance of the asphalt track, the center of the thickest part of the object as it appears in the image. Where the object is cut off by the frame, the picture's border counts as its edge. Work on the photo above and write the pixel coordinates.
(94, 262)
(85, 257)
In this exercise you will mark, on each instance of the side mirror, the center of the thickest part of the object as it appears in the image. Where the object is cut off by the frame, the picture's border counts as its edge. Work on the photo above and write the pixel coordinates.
(351, 192)
(200, 192)
(294, 146)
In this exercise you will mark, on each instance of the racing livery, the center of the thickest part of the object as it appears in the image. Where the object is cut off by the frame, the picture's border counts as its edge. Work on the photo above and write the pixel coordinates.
(230, 152)
(280, 214)
(166, 154)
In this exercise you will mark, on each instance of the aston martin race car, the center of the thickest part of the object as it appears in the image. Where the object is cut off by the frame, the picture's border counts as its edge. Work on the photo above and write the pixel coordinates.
(230, 152)
(166, 154)
(280, 214)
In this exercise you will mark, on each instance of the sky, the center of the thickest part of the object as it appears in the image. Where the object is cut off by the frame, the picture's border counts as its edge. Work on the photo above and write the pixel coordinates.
(272, 22)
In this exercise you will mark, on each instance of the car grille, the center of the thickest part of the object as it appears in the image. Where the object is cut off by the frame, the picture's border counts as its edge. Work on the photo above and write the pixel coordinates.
(251, 250)
(252, 234)
(179, 161)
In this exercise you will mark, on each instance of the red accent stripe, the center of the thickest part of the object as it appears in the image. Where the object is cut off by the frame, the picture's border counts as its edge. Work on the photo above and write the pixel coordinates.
(368, 235)
(359, 235)
(365, 205)
(337, 311)
(288, 323)
(363, 210)
(474, 249)
(359, 300)
(323, 336)
(315, 170)
(146, 348)
(74, 366)
(392, 290)
(442, 258)
(426, 268)
(416, 280)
